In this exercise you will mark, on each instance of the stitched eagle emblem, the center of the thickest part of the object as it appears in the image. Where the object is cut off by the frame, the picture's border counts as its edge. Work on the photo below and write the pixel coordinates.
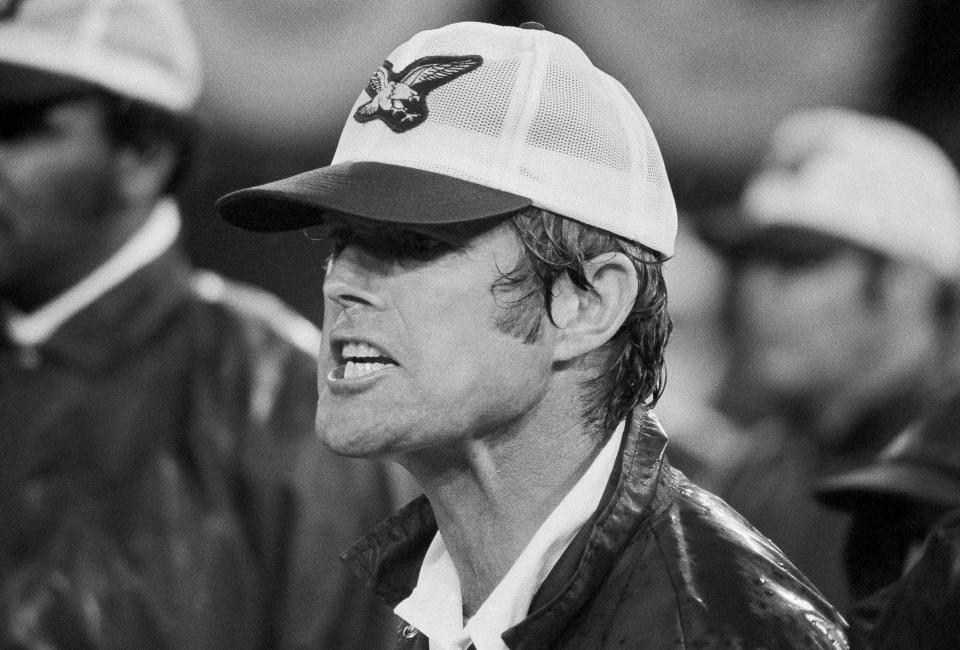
(400, 98)
(9, 8)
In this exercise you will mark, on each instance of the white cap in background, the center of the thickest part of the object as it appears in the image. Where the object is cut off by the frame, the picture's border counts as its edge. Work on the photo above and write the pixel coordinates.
(866, 180)
(140, 49)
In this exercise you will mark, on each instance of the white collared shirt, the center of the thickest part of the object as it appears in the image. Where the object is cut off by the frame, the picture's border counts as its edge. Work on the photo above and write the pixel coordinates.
(153, 239)
(435, 606)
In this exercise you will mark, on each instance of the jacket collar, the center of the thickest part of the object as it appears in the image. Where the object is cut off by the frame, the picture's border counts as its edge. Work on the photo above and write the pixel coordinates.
(108, 330)
(155, 236)
(389, 558)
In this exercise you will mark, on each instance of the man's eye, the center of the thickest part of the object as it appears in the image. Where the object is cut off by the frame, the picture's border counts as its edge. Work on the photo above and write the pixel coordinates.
(416, 247)
(337, 248)
(424, 245)
(399, 246)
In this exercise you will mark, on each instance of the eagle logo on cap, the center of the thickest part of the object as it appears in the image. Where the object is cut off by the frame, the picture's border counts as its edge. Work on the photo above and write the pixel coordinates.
(400, 98)
(9, 8)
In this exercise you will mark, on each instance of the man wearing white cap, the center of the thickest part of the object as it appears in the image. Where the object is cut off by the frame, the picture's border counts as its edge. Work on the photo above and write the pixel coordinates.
(495, 322)
(161, 484)
(846, 257)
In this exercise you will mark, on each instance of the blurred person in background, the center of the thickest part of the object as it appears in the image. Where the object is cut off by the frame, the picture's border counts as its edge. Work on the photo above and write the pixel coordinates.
(896, 503)
(160, 481)
(495, 321)
(843, 315)
(715, 77)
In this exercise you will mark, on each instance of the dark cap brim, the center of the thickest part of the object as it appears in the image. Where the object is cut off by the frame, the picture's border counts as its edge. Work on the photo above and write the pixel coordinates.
(889, 480)
(736, 237)
(368, 190)
(25, 86)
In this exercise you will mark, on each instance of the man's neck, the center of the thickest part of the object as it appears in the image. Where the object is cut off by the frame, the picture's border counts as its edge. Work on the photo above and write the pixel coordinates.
(494, 497)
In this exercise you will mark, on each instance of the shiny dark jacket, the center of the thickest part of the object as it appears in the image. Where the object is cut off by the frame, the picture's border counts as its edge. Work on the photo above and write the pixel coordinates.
(161, 485)
(661, 564)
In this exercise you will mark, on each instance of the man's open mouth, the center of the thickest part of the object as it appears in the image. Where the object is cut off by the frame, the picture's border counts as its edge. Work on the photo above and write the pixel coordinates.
(361, 359)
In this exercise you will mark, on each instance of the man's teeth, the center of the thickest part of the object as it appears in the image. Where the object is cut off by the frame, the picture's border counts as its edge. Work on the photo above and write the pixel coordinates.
(362, 359)
(354, 369)
(352, 350)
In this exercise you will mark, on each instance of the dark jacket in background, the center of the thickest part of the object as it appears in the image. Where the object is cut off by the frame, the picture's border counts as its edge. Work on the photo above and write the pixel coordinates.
(773, 486)
(161, 484)
(661, 564)
(921, 611)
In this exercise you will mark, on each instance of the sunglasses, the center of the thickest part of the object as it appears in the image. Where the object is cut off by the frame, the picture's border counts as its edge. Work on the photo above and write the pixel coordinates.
(21, 121)
(789, 248)
(788, 257)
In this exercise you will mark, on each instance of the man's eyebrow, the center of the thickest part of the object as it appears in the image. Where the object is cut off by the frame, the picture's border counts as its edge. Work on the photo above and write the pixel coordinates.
(385, 233)
(397, 234)
(394, 243)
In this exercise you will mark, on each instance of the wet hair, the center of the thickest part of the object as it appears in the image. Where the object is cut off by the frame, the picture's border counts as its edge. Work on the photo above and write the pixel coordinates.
(633, 373)
(140, 126)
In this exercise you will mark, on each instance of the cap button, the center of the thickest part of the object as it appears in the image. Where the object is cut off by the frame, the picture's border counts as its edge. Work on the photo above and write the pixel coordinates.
(531, 25)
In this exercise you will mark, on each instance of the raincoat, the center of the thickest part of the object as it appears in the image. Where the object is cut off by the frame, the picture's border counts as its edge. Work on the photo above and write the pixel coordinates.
(161, 484)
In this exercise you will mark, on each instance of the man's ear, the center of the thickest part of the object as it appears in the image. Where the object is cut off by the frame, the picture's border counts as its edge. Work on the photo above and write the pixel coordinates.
(144, 174)
(587, 319)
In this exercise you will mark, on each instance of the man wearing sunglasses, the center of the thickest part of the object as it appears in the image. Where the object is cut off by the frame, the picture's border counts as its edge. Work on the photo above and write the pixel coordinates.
(843, 314)
(160, 481)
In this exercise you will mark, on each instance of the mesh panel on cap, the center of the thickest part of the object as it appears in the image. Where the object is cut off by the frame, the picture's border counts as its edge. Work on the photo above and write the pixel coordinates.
(457, 172)
(456, 104)
(575, 121)
(656, 172)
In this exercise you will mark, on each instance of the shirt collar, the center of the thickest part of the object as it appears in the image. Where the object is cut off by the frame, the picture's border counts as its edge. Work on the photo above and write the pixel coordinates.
(153, 239)
(435, 605)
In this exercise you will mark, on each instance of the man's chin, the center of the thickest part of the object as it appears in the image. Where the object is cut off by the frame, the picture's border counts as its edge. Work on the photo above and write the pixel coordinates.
(349, 441)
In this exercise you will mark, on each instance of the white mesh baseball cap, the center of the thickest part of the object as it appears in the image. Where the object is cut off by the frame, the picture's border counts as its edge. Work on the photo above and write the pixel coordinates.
(857, 178)
(473, 121)
(141, 49)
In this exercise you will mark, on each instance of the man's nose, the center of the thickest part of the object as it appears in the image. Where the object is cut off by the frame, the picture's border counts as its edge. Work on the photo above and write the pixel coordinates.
(355, 277)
